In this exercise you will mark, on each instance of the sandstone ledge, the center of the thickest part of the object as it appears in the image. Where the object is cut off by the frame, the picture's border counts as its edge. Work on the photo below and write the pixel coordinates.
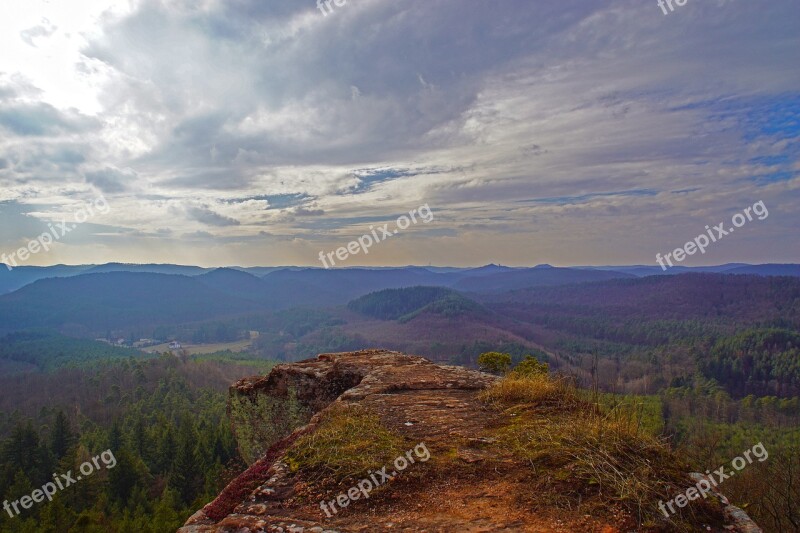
(419, 400)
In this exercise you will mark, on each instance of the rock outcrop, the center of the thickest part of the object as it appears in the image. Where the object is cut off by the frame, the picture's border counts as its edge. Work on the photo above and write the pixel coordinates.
(469, 488)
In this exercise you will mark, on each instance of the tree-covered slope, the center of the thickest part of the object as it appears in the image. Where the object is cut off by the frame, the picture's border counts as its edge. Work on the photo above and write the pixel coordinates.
(49, 350)
(101, 302)
(404, 304)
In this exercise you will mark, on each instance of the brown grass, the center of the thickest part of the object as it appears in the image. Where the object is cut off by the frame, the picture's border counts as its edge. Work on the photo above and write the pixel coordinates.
(561, 434)
(534, 390)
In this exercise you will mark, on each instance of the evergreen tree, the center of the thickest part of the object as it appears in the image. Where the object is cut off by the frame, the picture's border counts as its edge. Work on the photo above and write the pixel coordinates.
(167, 449)
(56, 517)
(184, 476)
(165, 518)
(89, 521)
(123, 477)
(115, 438)
(61, 438)
(22, 448)
(140, 439)
(21, 486)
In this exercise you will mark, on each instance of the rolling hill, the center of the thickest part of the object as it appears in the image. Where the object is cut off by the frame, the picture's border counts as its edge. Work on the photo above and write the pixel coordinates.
(95, 303)
(409, 303)
(534, 277)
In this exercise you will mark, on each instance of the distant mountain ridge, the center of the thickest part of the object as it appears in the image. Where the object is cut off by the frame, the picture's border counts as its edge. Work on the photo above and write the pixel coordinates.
(542, 275)
(93, 300)
(16, 278)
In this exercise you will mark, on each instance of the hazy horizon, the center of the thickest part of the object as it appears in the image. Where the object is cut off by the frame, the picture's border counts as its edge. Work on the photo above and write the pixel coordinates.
(409, 265)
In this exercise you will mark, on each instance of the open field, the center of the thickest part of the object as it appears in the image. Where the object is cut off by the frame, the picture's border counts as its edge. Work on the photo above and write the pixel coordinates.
(200, 349)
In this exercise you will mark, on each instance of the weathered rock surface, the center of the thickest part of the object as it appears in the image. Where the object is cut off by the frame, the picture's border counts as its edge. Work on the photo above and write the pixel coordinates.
(415, 398)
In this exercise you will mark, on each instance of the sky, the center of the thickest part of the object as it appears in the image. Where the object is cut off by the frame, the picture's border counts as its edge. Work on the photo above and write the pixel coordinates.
(261, 132)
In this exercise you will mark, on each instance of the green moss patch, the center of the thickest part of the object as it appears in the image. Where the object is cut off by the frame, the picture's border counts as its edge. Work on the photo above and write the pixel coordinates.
(349, 442)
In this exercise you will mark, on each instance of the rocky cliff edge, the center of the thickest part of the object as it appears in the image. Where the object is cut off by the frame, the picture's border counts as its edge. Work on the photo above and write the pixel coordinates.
(316, 433)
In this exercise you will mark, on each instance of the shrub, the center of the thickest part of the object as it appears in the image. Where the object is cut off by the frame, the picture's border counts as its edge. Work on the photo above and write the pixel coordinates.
(530, 366)
(530, 389)
(494, 362)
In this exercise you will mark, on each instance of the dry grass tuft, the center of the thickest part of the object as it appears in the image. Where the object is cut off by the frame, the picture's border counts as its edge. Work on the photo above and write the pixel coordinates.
(532, 389)
(561, 434)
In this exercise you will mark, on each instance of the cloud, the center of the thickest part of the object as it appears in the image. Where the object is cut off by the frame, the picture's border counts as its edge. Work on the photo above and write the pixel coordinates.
(198, 235)
(209, 217)
(308, 212)
(44, 161)
(45, 29)
(18, 224)
(111, 180)
(40, 119)
(312, 113)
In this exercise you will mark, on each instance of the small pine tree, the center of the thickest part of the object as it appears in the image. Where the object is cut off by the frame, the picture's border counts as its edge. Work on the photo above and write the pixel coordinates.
(494, 362)
(140, 439)
(61, 438)
(166, 517)
(530, 366)
(115, 437)
(22, 447)
(184, 478)
(123, 477)
(167, 449)
(56, 517)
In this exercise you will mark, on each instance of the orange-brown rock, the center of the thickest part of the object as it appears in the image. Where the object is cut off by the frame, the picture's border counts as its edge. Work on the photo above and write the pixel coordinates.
(423, 402)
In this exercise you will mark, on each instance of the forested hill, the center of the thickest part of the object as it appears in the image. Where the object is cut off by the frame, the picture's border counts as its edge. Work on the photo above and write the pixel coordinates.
(648, 332)
(739, 330)
(47, 350)
(101, 302)
(745, 299)
(92, 304)
(405, 304)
